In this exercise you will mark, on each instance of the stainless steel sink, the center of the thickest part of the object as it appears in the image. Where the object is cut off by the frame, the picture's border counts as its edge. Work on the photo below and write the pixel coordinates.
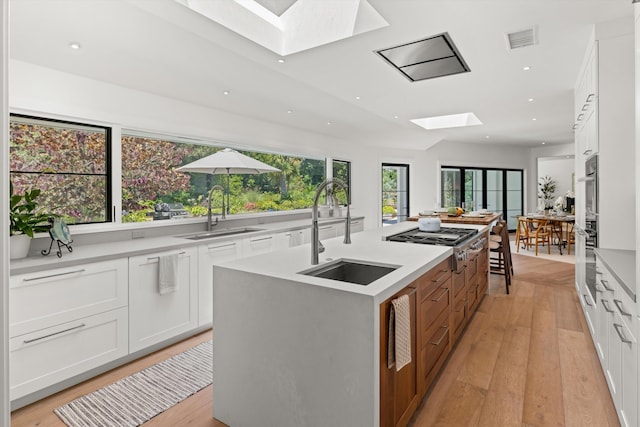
(351, 271)
(220, 233)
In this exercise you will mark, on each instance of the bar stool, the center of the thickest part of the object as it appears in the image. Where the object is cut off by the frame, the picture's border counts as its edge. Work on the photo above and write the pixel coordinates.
(499, 245)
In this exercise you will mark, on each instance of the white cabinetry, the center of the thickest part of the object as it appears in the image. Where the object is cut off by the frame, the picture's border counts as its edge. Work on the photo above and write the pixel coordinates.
(154, 318)
(66, 321)
(617, 342)
(293, 238)
(208, 255)
(258, 245)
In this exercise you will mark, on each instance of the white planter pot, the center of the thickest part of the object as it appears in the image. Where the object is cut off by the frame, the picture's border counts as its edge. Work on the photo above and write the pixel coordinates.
(19, 246)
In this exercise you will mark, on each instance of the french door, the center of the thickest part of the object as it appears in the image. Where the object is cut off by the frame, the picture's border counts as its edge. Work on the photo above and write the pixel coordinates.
(497, 190)
(395, 193)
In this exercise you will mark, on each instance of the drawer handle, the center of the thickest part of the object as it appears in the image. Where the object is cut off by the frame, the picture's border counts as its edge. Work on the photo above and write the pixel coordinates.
(585, 107)
(618, 328)
(446, 332)
(260, 240)
(53, 334)
(54, 275)
(158, 258)
(599, 289)
(444, 273)
(598, 271)
(587, 152)
(605, 283)
(605, 304)
(444, 292)
(221, 246)
(618, 304)
(586, 300)
(590, 97)
(580, 117)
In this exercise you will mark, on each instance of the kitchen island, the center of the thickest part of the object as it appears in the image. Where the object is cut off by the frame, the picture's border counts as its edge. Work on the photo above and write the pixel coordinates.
(484, 219)
(296, 350)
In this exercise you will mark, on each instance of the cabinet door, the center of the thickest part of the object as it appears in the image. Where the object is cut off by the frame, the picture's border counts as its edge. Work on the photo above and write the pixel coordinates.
(42, 358)
(47, 298)
(629, 407)
(154, 318)
(327, 231)
(208, 255)
(258, 245)
(399, 394)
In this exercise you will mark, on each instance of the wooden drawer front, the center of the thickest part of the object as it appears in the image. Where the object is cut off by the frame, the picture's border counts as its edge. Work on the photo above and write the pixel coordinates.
(431, 308)
(457, 283)
(47, 298)
(435, 349)
(46, 357)
(483, 283)
(458, 317)
(483, 261)
(472, 294)
(472, 265)
(434, 279)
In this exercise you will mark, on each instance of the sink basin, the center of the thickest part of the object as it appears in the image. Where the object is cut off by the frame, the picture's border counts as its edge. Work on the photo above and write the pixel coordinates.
(351, 271)
(220, 233)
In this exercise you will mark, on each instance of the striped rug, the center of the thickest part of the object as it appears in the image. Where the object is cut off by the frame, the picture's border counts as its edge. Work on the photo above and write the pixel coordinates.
(143, 395)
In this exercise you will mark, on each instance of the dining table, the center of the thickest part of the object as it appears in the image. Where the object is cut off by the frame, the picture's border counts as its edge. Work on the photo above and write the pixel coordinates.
(484, 218)
(561, 226)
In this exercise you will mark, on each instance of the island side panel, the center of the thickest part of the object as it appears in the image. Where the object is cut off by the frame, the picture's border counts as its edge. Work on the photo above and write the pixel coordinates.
(292, 354)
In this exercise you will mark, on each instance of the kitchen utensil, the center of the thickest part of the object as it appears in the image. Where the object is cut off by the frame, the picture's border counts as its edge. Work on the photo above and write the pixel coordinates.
(429, 224)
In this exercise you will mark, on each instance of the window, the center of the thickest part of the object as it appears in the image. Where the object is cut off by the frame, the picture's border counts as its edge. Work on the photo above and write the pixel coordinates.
(149, 178)
(395, 193)
(69, 162)
(342, 171)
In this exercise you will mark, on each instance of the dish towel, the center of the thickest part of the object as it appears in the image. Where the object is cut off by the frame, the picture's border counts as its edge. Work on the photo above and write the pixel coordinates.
(399, 349)
(167, 274)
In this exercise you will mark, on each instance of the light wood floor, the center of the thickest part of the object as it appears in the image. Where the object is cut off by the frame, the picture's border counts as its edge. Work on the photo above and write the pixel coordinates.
(526, 359)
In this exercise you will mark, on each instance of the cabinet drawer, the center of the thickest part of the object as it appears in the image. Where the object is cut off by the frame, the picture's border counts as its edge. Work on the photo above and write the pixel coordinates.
(482, 261)
(436, 278)
(48, 356)
(435, 349)
(458, 317)
(472, 294)
(472, 264)
(47, 298)
(457, 283)
(431, 309)
(483, 283)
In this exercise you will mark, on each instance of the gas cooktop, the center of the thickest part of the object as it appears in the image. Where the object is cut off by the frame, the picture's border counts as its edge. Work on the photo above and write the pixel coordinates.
(447, 236)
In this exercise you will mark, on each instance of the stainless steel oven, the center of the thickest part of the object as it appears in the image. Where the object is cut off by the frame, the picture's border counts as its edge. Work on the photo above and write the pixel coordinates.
(591, 222)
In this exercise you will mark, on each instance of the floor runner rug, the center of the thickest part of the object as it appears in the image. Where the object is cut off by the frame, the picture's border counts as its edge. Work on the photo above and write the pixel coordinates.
(136, 399)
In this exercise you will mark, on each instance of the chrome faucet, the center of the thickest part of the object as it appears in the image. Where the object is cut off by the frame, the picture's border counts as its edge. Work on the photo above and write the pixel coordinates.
(316, 245)
(214, 188)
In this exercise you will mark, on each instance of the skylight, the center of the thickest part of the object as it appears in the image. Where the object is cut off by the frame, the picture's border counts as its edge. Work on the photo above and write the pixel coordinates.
(303, 25)
(450, 121)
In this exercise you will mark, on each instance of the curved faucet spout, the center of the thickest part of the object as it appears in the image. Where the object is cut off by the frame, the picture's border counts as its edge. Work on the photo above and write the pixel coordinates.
(316, 245)
(214, 188)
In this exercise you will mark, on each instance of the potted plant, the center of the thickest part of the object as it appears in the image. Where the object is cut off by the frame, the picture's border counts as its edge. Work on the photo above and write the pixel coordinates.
(24, 221)
(547, 187)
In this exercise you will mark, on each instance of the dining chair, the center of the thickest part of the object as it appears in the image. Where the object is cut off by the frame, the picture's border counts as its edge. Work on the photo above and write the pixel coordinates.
(522, 233)
(541, 233)
(499, 245)
(571, 237)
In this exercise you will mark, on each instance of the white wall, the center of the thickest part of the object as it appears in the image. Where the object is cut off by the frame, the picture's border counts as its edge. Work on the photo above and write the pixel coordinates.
(37, 90)
(560, 169)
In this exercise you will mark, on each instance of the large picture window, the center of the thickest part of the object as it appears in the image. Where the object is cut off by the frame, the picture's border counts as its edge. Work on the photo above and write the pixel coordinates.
(149, 178)
(342, 171)
(68, 162)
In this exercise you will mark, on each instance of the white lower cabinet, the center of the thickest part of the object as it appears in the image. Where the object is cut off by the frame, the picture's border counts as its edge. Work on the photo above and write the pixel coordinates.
(154, 318)
(258, 245)
(45, 357)
(292, 238)
(208, 255)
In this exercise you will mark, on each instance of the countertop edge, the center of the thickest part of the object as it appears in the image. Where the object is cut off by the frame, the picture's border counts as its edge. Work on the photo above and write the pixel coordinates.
(622, 264)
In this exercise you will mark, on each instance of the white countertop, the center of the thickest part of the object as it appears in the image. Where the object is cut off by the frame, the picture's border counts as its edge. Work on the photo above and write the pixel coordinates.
(369, 246)
(622, 264)
(112, 250)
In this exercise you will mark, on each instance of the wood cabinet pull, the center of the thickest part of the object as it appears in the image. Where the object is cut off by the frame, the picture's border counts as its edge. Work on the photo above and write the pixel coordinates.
(618, 328)
(30, 279)
(437, 279)
(605, 304)
(605, 283)
(586, 300)
(618, 304)
(444, 292)
(53, 334)
(446, 332)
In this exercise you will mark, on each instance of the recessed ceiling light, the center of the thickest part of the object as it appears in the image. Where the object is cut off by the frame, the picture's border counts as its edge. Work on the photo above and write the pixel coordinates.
(281, 60)
(543, 142)
(395, 117)
(226, 92)
(487, 136)
(534, 119)
(526, 68)
(289, 111)
(357, 97)
(450, 121)
(328, 123)
(530, 99)
(74, 45)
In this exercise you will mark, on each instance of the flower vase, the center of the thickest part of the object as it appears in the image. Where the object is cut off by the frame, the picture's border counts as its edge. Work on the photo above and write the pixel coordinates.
(19, 246)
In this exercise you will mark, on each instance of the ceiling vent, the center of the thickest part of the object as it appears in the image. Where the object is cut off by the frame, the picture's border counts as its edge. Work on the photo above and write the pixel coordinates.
(523, 38)
(432, 57)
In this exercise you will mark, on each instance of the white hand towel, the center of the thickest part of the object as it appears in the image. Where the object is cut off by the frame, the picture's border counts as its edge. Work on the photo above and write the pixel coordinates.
(399, 351)
(168, 274)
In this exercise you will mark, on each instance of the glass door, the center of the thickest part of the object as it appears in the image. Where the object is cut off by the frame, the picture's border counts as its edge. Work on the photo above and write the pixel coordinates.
(395, 193)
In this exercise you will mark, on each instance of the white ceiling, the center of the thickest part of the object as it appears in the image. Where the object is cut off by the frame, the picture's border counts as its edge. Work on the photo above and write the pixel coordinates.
(162, 47)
